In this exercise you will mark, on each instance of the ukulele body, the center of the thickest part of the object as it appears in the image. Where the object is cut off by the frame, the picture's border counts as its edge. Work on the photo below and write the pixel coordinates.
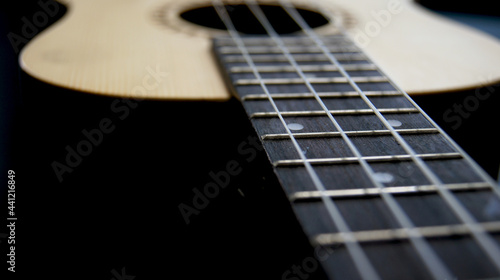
(111, 47)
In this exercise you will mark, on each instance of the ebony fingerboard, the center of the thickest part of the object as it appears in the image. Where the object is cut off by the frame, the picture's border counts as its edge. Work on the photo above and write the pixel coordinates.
(374, 229)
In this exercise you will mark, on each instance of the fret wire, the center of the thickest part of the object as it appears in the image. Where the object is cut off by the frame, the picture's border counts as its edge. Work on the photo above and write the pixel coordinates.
(339, 94)
(378, 159)
(282, 81)
(352, 193)
(298, 58)
(428, 256)
(485, 241)
(298, 49)
(400, 234)
(333, 112)
(360, 259)
(305, 68)
(349, 133)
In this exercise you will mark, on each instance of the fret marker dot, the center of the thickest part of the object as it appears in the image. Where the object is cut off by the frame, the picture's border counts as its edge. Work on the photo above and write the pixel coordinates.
(395, 123)
(383, 178)
(295, 126)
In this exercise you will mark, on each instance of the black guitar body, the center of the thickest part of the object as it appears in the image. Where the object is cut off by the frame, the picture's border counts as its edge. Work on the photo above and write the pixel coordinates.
(138, 200)
(119, 206)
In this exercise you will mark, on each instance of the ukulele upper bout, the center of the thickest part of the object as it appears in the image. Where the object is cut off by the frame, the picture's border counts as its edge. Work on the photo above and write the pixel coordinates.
(107, 46)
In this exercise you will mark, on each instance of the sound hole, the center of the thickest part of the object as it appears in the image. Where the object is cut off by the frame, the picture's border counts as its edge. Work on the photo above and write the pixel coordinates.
(245, 21)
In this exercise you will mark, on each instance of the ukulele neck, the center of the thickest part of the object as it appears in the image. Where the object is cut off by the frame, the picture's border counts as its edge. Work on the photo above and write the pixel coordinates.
(364, 168)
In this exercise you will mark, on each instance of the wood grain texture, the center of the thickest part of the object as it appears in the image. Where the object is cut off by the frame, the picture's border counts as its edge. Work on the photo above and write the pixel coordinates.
(107, 46)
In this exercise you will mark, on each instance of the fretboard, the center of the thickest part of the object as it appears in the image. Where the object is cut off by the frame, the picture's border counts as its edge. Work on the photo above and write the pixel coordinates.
(378, 187)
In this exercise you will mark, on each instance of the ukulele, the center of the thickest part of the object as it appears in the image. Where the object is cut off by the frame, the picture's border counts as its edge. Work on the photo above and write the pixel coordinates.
(371, 179)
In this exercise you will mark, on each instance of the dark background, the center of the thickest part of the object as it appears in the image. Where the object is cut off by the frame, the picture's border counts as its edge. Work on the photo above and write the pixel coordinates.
(117, 226)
